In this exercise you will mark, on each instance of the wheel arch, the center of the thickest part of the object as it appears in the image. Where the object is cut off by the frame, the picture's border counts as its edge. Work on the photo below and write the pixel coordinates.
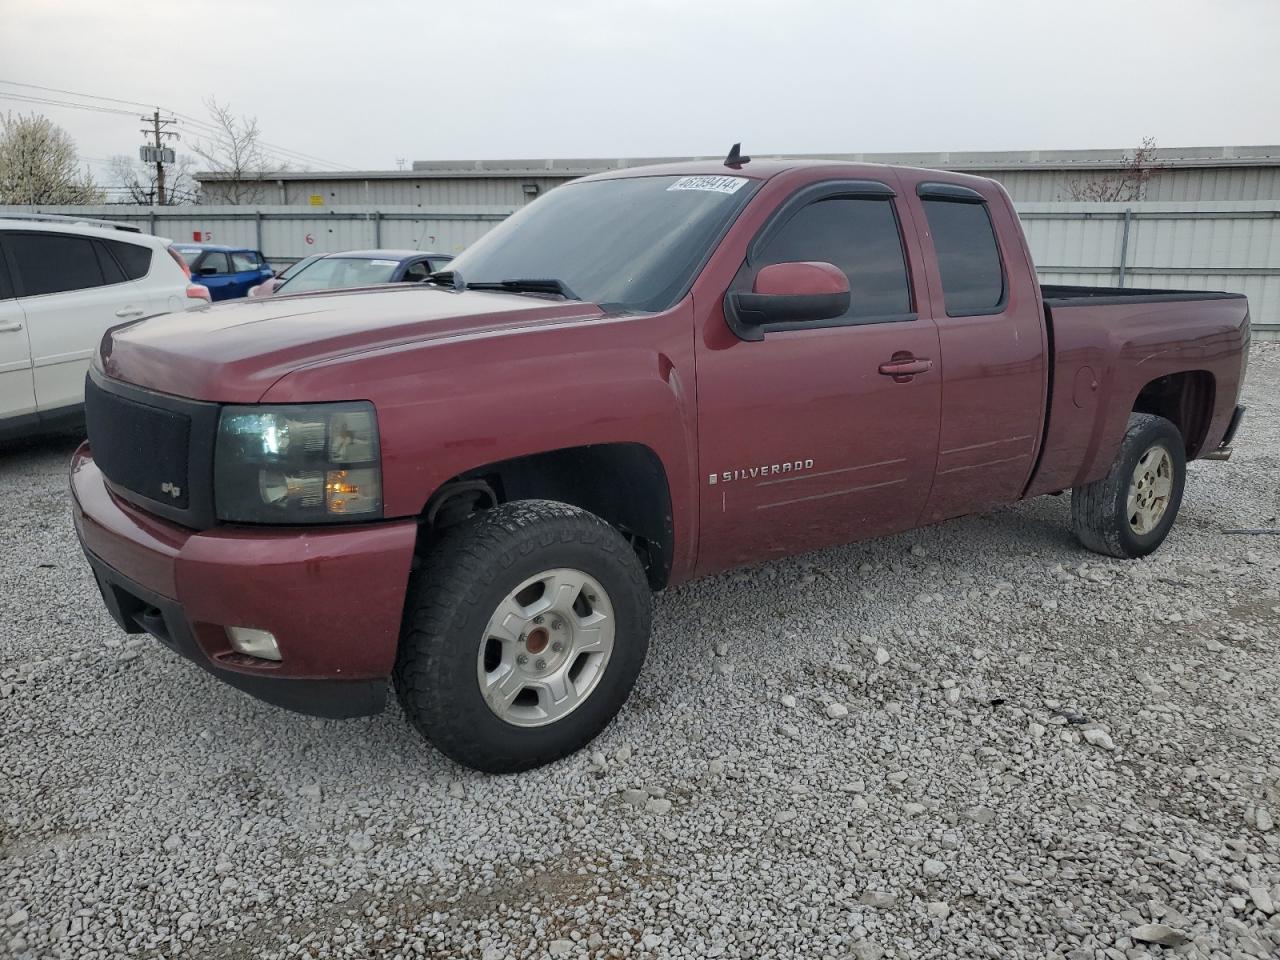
(625, 484)
(1186, 399)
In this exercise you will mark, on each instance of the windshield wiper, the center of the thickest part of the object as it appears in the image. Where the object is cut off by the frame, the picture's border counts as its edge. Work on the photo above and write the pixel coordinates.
(452, 278)
(529, 285)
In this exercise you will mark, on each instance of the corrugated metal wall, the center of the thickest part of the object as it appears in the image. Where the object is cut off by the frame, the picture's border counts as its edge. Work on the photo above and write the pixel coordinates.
(1180, 246)
(1195, 246)
(286, 234)
(1200, 184)
(398, 191)
(1193, 184)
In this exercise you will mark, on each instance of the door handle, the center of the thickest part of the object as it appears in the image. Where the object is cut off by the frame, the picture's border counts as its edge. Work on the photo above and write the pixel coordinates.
(903, 367)
(11, 327)
(130, 312)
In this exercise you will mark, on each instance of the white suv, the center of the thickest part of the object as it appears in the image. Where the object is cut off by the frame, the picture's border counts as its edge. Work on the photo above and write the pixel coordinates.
(63, 283)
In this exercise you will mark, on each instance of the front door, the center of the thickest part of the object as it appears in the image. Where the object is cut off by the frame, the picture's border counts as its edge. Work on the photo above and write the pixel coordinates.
(17, 389)
(69, 304)
(804, 441)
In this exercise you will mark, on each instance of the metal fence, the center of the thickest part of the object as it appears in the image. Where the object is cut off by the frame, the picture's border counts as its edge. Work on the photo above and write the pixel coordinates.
(287, 234)
(1181, 246)
(1216, 245)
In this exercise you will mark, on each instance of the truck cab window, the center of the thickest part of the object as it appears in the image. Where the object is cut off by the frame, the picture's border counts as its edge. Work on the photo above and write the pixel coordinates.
(861, 237)
(968, 258)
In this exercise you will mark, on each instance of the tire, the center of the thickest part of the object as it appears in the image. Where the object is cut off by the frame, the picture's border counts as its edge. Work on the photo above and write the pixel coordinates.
(1105, 518)
(452, 623)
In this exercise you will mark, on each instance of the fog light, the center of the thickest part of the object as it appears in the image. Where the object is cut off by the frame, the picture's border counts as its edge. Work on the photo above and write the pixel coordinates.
(253, 643)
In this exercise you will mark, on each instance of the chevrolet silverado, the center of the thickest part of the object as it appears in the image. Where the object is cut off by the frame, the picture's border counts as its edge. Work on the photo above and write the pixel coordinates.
(471, 486)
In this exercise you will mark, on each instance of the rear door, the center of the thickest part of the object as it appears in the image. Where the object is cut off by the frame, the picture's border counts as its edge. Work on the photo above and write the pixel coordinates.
(803, 440)
(71, 292)
(214, 270)
(17, 388)
(156, 283)
(247, 271)
(985, 303)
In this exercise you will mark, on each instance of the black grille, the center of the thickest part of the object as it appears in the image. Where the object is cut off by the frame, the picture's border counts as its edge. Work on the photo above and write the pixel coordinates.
(138, 447)
(155, 449)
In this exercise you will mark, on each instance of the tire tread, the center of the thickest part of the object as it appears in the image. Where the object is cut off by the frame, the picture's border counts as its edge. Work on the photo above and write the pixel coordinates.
(451, 584)
(1095, 510)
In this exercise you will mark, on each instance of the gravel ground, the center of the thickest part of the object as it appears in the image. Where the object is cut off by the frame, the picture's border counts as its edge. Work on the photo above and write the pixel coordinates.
(975, 740)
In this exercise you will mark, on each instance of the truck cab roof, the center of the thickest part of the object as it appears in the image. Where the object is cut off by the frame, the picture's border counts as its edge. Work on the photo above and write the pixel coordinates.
(765, 168)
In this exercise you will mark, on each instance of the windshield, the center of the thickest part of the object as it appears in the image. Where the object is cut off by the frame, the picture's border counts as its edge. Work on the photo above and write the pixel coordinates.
(297, 268)
(628, 244)
(189, 254)
(330, 273)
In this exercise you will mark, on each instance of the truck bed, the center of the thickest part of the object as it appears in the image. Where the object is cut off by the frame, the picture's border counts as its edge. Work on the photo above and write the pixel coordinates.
(1108, 344)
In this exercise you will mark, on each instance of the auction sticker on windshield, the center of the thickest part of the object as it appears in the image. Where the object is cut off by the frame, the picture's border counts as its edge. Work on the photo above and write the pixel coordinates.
(710, 183)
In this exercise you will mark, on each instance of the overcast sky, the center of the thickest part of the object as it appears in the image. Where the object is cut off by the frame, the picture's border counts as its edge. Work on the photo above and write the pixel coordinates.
(366, 84)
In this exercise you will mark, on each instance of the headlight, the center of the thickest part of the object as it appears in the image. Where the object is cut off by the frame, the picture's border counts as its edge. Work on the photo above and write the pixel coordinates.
(313, 463)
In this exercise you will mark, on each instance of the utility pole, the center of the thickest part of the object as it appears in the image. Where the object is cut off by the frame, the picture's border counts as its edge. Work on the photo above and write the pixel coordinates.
(157, 152)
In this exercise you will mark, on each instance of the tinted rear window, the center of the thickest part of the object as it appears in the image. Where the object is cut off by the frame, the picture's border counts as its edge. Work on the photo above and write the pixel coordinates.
(134, 259)
(860, 237)
(54, 263)
(968, 258)
(111, 271)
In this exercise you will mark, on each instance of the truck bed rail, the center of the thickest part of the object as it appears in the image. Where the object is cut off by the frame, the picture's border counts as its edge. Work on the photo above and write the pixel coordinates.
(1062, 295)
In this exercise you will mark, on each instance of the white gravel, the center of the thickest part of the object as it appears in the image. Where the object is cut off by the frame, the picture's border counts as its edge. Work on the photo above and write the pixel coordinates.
(1040, 753)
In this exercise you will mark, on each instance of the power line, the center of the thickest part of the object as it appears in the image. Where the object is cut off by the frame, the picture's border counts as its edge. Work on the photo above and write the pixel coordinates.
(90, 96)
(281, 153)
(24, 98)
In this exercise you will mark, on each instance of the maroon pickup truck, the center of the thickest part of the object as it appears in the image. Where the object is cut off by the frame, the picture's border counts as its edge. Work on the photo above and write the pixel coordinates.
(471, 486)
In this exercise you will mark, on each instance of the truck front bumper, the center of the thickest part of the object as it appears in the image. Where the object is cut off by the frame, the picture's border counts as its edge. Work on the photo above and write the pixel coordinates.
(331, 597)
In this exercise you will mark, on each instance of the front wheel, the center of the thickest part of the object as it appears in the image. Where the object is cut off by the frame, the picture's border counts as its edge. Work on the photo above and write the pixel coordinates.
(523, 635)
(1130, 511)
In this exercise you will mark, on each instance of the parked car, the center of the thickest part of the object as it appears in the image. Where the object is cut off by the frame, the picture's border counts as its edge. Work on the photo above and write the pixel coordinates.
(471, 485)
(228, 272)
(63, 282)
(268, 286)
(362, 268)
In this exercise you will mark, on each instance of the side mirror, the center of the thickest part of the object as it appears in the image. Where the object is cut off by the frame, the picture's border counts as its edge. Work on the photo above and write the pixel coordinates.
(208, 271)
(801, 292)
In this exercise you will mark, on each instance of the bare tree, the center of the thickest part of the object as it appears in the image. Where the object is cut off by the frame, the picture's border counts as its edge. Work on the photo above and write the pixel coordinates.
(137, 180)
(39, 164)
(1129, 183)
(235, 151)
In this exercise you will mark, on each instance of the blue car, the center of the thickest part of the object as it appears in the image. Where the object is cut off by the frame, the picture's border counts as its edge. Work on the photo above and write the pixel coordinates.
(228, 272)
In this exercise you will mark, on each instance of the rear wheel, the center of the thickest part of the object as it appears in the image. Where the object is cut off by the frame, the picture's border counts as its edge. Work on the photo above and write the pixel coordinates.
(1130, 511)
(523, 635)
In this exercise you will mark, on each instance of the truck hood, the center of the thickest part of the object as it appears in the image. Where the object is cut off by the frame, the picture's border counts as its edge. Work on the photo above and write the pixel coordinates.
(233, 352)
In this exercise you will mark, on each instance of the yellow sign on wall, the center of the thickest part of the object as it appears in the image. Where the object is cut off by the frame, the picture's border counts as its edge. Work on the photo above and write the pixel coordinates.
(317, 200)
